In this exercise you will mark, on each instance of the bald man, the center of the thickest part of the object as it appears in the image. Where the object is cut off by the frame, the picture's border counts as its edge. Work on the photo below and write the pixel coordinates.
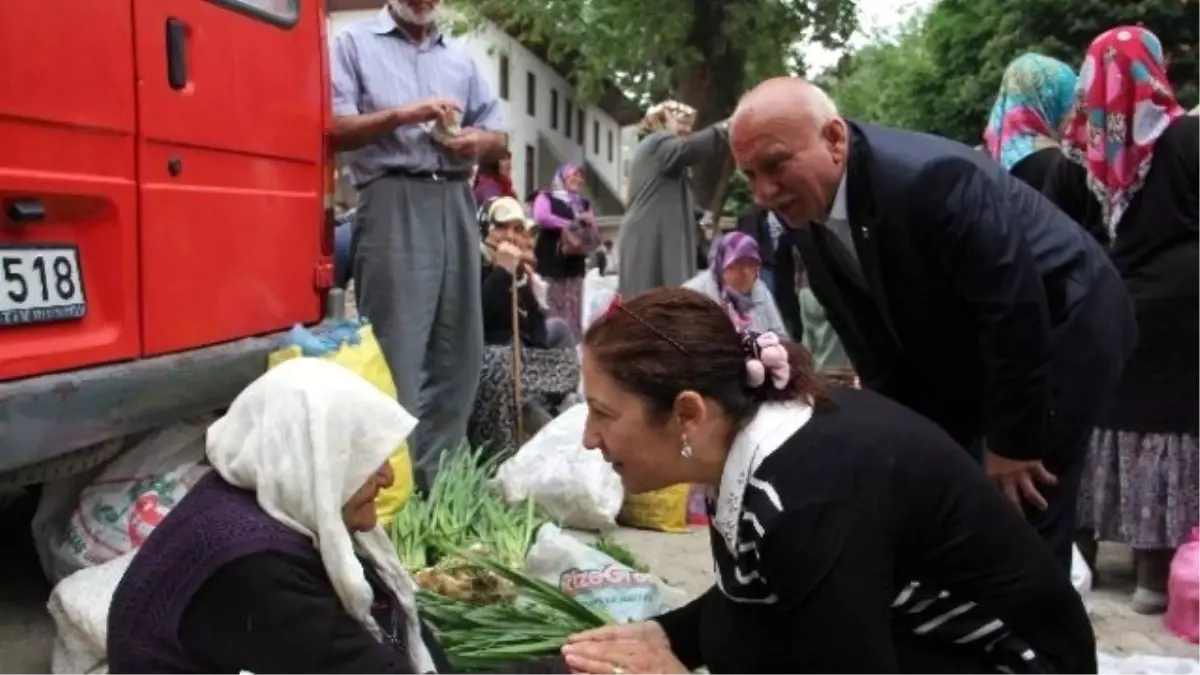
(956, 289)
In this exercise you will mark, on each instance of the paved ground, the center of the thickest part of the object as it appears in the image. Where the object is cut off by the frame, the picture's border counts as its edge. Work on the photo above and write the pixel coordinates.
(26, 631)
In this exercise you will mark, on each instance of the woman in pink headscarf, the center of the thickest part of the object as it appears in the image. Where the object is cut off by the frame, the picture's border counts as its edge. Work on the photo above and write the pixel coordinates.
(732, 280)
(1133, 174)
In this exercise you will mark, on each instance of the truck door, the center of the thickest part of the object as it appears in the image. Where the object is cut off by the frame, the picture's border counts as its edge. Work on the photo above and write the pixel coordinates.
(231, 109)
(68, 200)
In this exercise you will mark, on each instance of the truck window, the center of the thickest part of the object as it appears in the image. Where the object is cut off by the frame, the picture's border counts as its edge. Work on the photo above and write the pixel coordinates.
(282, 13)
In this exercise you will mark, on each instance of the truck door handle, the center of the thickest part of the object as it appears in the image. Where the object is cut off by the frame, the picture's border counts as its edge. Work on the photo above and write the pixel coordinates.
(177, 66)
(26, 211)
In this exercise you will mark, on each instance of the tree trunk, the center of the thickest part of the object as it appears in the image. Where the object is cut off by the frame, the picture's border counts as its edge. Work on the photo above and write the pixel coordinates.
(712, 87)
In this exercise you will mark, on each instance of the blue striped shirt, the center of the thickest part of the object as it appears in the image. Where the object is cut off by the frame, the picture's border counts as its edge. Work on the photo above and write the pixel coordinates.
(376, 66)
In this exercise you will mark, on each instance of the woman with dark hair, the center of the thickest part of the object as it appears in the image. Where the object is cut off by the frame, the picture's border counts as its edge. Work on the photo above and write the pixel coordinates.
(493, 178)
(849, 534)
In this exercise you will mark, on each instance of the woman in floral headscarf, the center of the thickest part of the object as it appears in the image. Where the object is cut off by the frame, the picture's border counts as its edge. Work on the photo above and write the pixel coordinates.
(567, 236)
(659, 236)
(732, 280)
(1133, 173)
(1036, 93)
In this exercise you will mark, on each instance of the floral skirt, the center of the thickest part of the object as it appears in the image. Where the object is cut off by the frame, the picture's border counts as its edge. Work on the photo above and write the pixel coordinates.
(565, 297)
(548, 376)
(1140, 489)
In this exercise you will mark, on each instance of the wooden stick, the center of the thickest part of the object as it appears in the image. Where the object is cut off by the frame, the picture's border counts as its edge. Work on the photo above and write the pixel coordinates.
(516, 335)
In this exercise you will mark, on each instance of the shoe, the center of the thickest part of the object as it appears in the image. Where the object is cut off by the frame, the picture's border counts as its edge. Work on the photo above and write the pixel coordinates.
(1146, 601)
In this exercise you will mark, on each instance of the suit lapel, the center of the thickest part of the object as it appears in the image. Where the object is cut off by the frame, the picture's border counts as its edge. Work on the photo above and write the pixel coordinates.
(839, 307)
(864, 226)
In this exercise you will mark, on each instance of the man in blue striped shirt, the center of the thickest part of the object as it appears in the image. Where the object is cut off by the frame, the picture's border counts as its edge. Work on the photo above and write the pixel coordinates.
(415, 247)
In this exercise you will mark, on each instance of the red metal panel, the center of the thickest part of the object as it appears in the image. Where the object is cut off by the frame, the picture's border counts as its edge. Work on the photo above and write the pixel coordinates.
(67, 121)
(231, 172)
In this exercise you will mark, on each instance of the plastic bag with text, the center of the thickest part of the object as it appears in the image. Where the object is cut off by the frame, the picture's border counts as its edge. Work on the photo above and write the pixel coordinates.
(575, 486)
(596, 579)
(90, 519)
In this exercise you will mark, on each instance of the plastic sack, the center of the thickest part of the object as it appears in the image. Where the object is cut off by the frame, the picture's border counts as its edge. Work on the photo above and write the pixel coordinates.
(597, 580)
(91, 519)
(664, 510)
(575, 486)
(79, 606)
(1081, 574)
(351, 343)
(598, 292)
(1145, 664)
(1183, 590)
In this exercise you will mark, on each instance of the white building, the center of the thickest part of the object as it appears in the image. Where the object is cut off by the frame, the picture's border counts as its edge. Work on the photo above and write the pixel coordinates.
(546, 123)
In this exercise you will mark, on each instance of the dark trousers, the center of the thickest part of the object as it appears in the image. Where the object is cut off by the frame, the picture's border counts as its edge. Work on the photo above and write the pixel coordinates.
(1088, 355)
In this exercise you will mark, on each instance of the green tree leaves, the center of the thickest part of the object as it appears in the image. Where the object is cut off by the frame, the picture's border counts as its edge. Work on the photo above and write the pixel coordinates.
(941, 73)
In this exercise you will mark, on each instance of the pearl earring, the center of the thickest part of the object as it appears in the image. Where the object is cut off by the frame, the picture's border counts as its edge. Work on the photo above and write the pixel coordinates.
(686, 451)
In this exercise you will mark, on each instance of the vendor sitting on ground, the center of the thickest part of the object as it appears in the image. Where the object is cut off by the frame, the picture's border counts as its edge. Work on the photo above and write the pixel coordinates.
(549, 365)
(825, 506)
(732, 280)
(507, 251)
(274, 562)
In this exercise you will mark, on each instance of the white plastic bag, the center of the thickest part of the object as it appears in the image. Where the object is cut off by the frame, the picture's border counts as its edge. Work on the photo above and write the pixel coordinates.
(1145, 664)
(90, 520)
(79, 606)
(597, 294)
(1081, 574)
(597, 580)
(575, 486)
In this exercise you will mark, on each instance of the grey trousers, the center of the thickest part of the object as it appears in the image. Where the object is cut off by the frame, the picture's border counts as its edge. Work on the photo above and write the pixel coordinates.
(417, 279)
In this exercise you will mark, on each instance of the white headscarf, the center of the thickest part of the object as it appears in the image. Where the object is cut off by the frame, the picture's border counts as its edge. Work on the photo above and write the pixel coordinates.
(305, 437)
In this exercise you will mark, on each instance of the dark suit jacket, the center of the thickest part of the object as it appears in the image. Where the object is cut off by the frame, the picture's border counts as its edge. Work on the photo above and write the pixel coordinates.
(972, 279)
(753, 221)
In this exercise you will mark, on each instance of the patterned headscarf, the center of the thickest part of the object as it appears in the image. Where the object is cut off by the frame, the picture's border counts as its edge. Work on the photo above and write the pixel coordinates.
(666, 115)
(1036, 93)
(1124, 102)
(727, 250)
(559, 190)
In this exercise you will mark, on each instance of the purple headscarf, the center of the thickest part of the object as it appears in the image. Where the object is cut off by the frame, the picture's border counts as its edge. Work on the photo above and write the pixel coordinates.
(725, 251)
(558, 189)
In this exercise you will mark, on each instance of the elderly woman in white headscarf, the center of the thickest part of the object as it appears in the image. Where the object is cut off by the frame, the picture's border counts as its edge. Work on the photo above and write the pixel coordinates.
(658, 238)
(274, 562)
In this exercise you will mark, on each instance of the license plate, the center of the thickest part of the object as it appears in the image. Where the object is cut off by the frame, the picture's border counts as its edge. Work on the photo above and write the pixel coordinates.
(40, 284)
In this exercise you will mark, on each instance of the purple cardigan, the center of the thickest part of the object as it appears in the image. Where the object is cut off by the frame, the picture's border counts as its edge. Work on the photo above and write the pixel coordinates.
(212, 525)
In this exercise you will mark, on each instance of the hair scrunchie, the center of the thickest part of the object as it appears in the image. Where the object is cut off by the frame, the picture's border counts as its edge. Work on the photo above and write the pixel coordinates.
(765, 356)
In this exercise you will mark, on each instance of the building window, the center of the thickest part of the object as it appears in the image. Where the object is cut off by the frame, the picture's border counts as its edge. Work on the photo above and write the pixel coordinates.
(553, 108)
(610, 146)
(595, 137)
(530, 169)
(568, 118)
(504, 73)
(579, 126)
(279, 12)
(531, 94)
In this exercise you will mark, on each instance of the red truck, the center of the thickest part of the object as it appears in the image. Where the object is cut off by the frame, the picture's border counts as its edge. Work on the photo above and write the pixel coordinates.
(165, 210)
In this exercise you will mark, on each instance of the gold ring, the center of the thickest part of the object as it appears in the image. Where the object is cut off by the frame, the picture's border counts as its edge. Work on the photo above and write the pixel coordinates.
(618, 670)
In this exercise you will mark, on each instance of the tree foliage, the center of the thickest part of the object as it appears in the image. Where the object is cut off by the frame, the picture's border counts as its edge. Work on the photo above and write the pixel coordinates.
(651, 49)
(941, 73)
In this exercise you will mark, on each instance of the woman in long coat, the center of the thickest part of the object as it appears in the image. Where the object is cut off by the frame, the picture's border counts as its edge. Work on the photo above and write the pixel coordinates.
(658, 237)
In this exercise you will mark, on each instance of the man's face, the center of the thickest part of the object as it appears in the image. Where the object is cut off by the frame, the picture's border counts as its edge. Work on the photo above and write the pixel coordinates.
(415, 12)
(793, 167)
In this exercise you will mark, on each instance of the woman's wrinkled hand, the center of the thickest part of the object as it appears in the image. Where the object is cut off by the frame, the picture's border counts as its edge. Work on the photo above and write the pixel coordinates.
(508, 256)
(627, 648)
